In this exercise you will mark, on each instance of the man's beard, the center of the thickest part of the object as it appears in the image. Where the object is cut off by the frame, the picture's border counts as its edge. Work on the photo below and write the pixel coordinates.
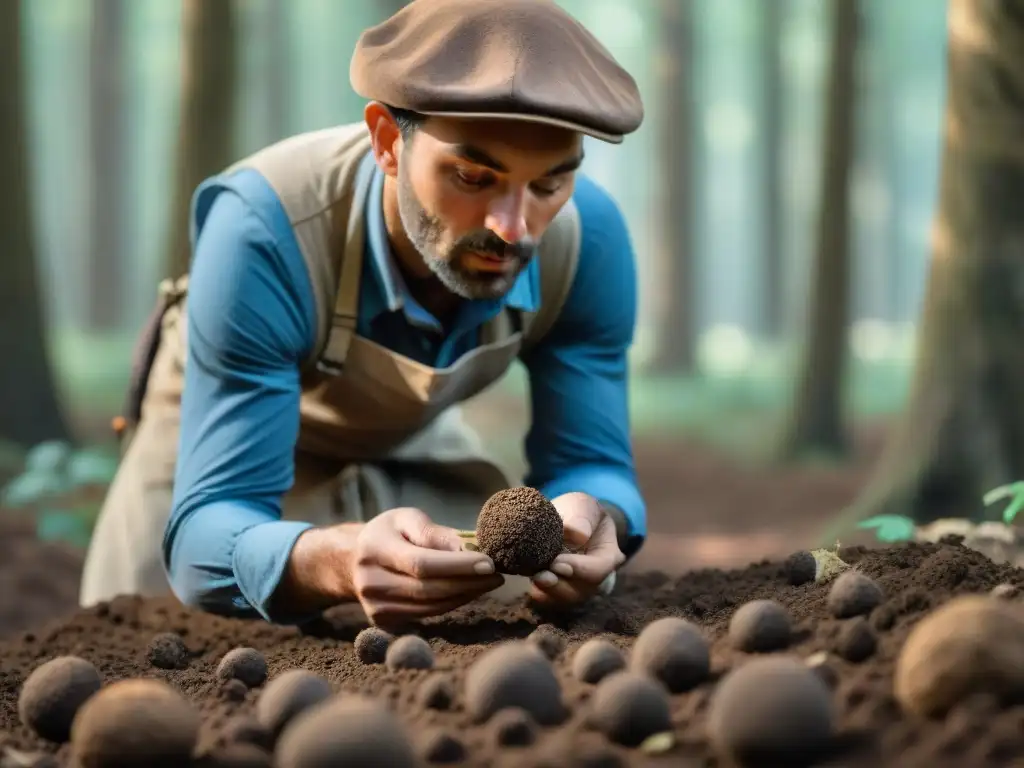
(425, 233)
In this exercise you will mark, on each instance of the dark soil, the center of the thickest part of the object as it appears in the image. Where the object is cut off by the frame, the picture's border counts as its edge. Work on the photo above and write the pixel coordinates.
(873, 730)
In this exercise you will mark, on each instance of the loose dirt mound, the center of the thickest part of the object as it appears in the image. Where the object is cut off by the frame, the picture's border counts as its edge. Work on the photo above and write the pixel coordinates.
(872, 729)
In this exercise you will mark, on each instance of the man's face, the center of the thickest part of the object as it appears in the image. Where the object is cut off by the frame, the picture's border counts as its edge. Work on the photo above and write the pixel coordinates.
(475, 196)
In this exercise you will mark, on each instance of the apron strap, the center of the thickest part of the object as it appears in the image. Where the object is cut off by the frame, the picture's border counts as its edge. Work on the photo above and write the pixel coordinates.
(346, 308)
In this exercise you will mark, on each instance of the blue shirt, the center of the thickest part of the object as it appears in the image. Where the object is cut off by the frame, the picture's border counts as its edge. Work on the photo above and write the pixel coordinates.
(251, 323)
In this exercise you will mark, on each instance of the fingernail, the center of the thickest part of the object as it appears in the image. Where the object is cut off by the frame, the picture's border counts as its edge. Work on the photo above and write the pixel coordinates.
(484, 568)
(563, 569)
(545, 579)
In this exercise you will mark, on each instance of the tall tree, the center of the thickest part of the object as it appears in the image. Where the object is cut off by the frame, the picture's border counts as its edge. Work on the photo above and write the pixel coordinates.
(206, 126)
(816, 423)
(105, 282)
(963, 431)
(29, 406)
(677, 329)
(772, 208)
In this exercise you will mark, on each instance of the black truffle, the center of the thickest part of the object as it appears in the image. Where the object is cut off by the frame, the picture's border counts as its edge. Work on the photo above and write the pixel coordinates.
(520, 530)
(549, 640)
(234, 689)
(674, 651)
(853, 594)
(345, 730)
(513, 727)
(286, 696)
(856, 641)
(438, 746)
(771, 711)
(800, 568)
(595, 660)
(372, 644)
(436, 692)
(514, 674)
(760, 626)
(135, 723)
(54, 692)
(167, 651)
(245, 664)
(410, 652)
(628, 707)
(1005, 591)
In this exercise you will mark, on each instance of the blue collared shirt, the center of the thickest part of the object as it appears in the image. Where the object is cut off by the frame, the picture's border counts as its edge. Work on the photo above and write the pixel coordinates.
(252, 321)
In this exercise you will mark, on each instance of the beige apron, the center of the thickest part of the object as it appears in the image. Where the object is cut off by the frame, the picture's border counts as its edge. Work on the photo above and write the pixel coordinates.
(356, 454)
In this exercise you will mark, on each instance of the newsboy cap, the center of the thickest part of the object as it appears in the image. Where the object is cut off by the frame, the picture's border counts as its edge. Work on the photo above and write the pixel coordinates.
(511, 59)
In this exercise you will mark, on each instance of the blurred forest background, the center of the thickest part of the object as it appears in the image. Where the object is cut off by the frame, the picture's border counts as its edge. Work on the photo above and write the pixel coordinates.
(781, 195)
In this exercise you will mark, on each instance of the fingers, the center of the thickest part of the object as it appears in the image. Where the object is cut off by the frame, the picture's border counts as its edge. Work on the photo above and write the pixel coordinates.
(581, 516)
(562, 591)
(379, 584)
(402, 544)
(424, 532)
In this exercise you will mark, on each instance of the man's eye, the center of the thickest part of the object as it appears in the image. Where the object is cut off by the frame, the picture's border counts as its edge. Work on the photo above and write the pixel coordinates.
(472, 180)
(547, 188)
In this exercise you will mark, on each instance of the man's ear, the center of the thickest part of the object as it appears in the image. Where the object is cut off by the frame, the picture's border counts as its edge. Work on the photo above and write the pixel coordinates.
(385, 135)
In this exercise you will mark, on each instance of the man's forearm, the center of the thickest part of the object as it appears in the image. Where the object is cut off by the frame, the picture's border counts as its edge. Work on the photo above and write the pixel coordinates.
(319, 571)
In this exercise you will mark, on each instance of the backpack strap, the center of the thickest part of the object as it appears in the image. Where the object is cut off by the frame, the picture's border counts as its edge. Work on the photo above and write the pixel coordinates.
(558, 255)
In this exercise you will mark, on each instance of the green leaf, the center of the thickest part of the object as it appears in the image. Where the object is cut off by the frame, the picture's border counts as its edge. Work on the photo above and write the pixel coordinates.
(890, 528)
(1014, 490)
(58, 525)
(89, 467)
(31, 487)
(50, 456)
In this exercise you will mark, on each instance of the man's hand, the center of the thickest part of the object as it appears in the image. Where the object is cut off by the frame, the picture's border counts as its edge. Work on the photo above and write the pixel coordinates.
(405, 567)
(575, 577)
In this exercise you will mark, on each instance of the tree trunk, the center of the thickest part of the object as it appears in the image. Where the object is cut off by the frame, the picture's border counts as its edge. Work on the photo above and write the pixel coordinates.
(817, 423)
(206, 126)
(773, 319)
(105, 279)
(962, 433)
(29, 406)
(677, 331)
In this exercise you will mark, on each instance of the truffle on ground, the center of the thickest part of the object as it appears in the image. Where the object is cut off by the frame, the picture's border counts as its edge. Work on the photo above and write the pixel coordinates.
(436, 692)
(549, 640)
(596, 659)
(514, 674)
(139, 722)
(760, 626)
(410, 652)
(245, 664)
(345, 730)
(236, 756)
(371, 645)
(53, 693)
(246, 729)
(234, 689)
(438, 746)
(856, 641)
(628, 707)
(288, 694)
(971, 645)
(520, 530)
(513, 727)
(167, 651)
(674, 651)
(771, 711)
(800, 568)
(853, 594)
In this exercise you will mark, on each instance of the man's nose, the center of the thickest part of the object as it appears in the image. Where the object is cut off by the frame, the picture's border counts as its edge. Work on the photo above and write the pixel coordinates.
(507, 217)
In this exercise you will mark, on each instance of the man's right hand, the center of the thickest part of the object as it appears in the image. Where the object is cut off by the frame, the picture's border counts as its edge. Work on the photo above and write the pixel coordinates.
(405, 567)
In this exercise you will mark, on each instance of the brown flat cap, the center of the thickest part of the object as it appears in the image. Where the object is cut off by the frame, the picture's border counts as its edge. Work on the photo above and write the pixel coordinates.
(511, 59)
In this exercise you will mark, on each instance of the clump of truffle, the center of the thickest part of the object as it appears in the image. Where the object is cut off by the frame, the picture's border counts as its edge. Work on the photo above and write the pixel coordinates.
(372, 644)
(971, 645)
(856, 641)
(54, 692)
(513, 674)
(410, 652)
(596, 659)
(548, 639)
(853, 594)
(167, 651)
(436, 692)
(520, 530)
(1005, 591)
(287, 695)
(674, 651)
(760, 626)
(800, 568)
(513, 727)
(439, 746)
(129, 723)
(345, 730)
(771, 711)
(245, 664)
(628, 707)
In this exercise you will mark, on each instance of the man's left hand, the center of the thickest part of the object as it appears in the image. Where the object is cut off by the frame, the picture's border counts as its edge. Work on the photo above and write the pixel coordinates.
(590, 533)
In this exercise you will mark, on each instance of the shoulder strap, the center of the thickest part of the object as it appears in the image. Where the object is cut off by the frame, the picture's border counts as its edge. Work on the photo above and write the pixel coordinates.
(558, 255)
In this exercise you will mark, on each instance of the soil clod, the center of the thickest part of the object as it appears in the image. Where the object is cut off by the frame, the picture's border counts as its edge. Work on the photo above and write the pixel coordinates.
(514, 674)
(53, 694)
(760, 626)
(595, 660)
(167, 650)
(286, 696)
(628, 707)
(513, 727)
(410, 652)
(436, 692)
(520, 530)
(674, 651)
(549, 640)
(439, 746)
(245, 664)
(372, 644)
(853, 594)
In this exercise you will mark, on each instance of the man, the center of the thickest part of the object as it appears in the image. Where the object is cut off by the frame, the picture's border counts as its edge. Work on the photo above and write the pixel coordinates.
(299, 444)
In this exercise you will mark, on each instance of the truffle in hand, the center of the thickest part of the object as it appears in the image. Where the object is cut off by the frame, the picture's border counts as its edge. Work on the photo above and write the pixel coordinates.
(520, 530)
